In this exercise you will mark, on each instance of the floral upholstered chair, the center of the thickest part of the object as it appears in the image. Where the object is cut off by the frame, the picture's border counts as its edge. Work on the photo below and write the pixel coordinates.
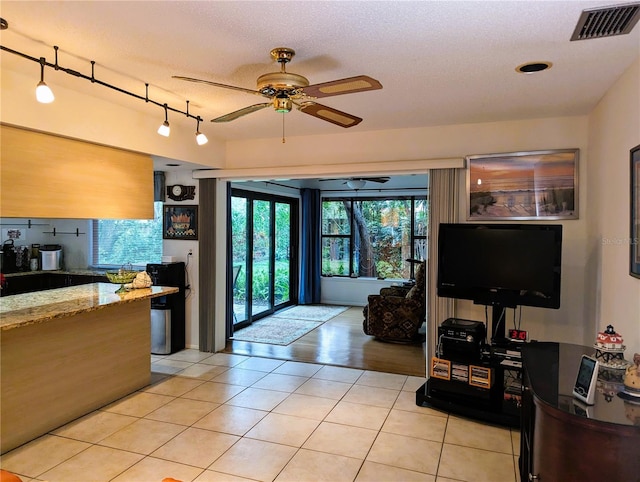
(397, 313)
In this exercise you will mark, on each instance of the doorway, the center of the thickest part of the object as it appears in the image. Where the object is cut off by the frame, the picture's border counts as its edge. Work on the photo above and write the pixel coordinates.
(262, 254)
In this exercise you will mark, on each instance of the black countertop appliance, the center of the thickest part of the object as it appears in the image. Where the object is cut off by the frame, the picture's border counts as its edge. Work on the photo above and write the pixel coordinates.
(168, 312)
(8, 257)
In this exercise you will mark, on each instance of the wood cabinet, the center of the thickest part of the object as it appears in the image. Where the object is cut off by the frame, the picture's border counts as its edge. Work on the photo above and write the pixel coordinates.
(563, 440)
(47, 176)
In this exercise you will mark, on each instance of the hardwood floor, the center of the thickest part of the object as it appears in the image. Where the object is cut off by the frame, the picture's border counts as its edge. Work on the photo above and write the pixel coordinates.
(341, 341)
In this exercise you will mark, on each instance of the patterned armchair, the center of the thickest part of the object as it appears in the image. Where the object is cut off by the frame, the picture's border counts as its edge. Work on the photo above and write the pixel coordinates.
(397, 313)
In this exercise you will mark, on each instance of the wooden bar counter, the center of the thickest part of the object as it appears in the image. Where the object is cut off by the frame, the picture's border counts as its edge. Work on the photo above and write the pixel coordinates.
(562, 440)
(65, 352)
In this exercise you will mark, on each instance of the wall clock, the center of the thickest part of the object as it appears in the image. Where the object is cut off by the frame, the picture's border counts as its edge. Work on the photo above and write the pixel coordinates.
(178, 192)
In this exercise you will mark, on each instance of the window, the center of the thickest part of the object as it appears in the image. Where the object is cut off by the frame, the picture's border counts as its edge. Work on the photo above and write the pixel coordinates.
(373, 237)
(128, 241)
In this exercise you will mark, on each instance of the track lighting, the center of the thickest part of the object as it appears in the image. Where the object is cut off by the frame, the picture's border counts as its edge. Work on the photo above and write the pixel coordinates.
(201, 139)
(164, 128)
(44, 95)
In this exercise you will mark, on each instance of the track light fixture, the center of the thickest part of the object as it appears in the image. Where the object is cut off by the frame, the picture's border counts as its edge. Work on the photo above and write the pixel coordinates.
(201, 139)
(164, 128)
(44, 95)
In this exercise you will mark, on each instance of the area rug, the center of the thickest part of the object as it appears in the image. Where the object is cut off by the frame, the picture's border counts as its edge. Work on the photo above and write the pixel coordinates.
(287, 326)
(276, 331)
(311, 312)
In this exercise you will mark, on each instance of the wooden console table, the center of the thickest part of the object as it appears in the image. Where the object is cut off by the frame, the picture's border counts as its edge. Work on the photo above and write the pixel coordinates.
(563, 440)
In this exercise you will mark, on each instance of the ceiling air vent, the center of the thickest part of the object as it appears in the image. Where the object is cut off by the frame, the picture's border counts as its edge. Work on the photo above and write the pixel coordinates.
(606, 21)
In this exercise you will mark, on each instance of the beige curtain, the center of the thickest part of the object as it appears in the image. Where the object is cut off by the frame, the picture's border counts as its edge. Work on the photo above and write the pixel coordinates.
(444, 195)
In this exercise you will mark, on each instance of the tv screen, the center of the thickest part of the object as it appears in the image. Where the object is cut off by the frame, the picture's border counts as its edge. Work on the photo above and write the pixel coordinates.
(501, 264)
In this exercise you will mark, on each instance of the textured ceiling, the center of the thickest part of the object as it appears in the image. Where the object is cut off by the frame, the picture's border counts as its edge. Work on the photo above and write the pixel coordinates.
(445, 62)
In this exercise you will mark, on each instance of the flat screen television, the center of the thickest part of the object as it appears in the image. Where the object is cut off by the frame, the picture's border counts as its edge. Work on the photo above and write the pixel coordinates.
(505, 265)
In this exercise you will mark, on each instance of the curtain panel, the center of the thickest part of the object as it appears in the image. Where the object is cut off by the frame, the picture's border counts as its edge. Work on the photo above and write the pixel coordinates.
(310, 249)
(158, 186)
(444, 192)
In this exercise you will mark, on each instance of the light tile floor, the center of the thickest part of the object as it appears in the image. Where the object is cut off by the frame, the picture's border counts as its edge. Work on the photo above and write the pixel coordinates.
(223, 417)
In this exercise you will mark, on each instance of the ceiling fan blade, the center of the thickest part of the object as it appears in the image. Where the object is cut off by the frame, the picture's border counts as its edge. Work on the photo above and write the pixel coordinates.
(215, 84)
(350, 85)
(239, 113)
(381, 180)
(329, 114)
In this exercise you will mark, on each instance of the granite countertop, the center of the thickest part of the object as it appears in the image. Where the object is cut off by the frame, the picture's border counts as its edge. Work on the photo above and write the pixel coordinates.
(40, 306)
(87, 272)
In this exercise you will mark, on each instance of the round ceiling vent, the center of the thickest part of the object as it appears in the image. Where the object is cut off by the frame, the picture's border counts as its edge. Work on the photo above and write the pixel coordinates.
(533, 67)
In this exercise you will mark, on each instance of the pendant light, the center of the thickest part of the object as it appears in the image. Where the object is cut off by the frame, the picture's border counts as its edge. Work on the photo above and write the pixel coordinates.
(164, 129)
(44, 95)
(201, 139)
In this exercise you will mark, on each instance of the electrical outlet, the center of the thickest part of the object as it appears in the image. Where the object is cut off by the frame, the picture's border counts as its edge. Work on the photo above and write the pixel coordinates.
(190, 253)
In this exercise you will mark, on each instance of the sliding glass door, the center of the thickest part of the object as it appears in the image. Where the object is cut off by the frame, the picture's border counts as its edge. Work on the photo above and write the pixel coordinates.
(263, 255)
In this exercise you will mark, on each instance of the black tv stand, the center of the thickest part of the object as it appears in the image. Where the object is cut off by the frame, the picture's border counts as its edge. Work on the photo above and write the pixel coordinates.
(498, 321)
(427, 397)
(499, 404)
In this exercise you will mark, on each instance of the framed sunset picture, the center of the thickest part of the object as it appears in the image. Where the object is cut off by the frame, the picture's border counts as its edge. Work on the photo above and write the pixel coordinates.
(532, 185)
(634, 238)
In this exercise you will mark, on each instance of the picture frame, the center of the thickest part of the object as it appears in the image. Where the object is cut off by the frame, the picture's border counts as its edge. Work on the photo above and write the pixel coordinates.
(180, 222)
(634, 234)
(521, 186)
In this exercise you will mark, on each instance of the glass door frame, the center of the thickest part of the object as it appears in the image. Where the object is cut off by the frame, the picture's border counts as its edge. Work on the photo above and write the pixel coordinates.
(294, 230)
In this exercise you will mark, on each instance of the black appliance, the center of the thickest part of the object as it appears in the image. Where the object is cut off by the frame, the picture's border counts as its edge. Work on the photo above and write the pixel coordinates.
(168, 312)
(8, 257)
(461, 340)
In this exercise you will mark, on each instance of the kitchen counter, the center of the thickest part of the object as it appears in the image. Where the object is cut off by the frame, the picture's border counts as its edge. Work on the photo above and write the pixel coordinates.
(83, 272)
(65, 352)
(41, 306)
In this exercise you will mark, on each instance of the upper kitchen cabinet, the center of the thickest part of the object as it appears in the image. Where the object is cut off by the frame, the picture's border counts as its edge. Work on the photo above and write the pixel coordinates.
(46, 176)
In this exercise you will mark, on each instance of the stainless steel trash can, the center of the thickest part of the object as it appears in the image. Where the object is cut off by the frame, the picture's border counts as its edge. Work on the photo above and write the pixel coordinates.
(161, 330)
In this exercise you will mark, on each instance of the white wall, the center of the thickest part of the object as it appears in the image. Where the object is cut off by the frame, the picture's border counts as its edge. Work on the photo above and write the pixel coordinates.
(80, 116)
(597, 289)
(351, 292)
(408, 144)
(75, 249)
(566, 324)
(614, 129)
(179, 249)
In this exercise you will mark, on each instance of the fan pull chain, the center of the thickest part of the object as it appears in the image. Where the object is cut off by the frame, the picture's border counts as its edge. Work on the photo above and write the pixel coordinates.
(283, 141)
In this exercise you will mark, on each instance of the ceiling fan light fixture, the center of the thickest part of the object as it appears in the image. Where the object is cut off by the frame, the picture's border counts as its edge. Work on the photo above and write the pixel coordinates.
(282, 104)
(356, 183)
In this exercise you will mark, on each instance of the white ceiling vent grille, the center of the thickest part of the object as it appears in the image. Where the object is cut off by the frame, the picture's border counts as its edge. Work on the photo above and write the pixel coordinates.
(606, 21)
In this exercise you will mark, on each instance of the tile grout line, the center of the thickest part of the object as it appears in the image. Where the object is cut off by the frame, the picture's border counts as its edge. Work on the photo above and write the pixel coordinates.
(308, 377)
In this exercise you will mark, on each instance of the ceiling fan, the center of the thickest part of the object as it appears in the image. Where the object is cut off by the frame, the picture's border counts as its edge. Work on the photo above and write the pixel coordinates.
(286, 89)
(359, 182)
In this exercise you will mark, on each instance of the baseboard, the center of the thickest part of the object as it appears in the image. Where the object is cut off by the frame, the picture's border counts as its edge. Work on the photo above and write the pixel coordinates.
(343, 302)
